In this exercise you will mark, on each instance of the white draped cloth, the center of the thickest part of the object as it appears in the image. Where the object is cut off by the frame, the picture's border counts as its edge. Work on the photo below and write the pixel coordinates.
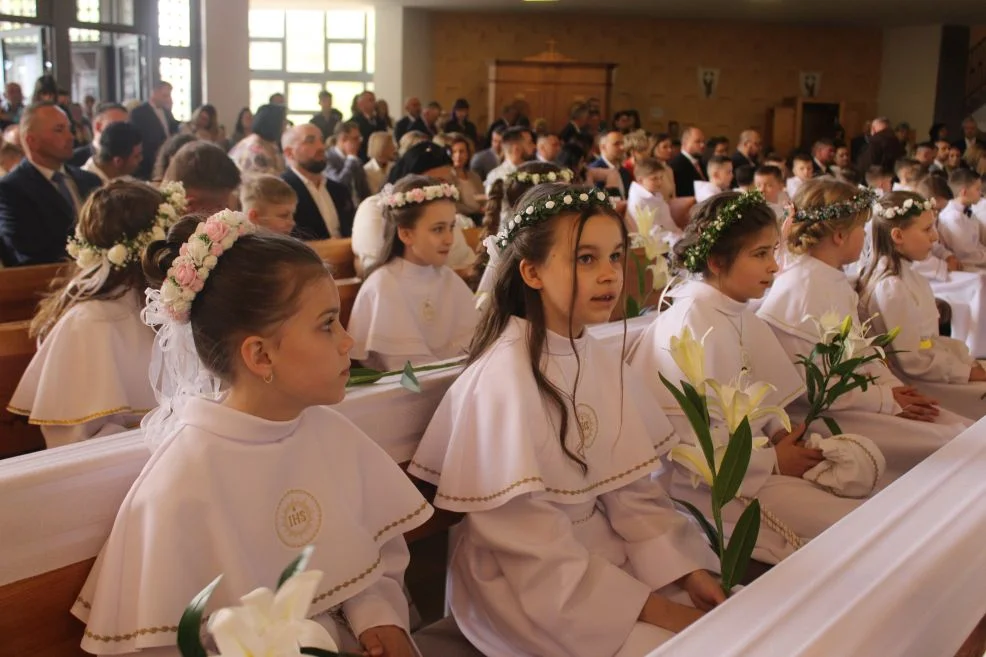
(961, 234)
(237, 495)
(89, 377)
(408, 312)
(963, 291)
(936, 365)
(738, 339)
(551, 560)
(811, 287)
(640, 200)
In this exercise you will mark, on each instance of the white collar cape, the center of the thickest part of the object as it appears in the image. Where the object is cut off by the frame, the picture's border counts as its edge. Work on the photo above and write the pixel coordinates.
(94, 363)
(494, 438)
(233, 494)
(699, 306)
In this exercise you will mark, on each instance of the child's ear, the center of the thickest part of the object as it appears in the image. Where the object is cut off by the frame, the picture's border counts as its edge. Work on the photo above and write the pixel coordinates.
(839, 237)
(529, 272)
(716, 266)
(897, 235)
(252, 215)
(405, 235)
(255, 357)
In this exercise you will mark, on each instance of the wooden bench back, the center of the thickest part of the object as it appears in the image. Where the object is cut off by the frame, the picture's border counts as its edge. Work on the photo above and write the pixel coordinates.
(339, 254)
(16, 351)
(636, 260)
(21, 288)
(472, 236)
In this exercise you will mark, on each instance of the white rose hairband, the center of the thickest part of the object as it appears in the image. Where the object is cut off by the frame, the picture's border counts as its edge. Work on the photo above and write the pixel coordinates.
(90, 256)
(909, 208)
(526, 177)
(392, 199)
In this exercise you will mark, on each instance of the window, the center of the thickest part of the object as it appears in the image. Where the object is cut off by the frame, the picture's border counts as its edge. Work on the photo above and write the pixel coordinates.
(19, 7)
(174, 23)
(178, 71)
(175, 54)
(300, 52)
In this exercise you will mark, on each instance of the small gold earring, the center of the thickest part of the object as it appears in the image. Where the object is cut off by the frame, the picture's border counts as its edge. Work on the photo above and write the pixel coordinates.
(269, 378)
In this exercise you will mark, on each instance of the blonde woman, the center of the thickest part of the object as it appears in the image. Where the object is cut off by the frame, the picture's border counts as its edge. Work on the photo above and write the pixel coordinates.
(382, 153)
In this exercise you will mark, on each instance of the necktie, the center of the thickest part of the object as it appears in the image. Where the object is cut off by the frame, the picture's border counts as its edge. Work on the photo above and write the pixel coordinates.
(58, 179)
(967, 211)
(698, 169)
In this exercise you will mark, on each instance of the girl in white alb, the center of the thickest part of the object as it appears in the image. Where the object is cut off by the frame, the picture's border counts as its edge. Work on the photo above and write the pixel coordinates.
(569, 548)
(731, 242)
(89, 376)
(413, 308)
(240, 481)
(828, 232)
(898, 297)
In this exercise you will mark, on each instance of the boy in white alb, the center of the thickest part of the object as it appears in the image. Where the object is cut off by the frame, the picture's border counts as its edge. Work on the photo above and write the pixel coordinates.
(803, 171)
(647, 194)
(720, 180)
(960, 230)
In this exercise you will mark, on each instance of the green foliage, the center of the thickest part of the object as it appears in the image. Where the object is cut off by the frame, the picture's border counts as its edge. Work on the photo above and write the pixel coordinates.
(741, 544)
(363, 376)
(189, 642)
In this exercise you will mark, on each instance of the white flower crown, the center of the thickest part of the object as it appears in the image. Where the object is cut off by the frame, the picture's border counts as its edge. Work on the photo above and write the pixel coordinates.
(909, 207)
(417, 195)
(88, 255)
(565, 175)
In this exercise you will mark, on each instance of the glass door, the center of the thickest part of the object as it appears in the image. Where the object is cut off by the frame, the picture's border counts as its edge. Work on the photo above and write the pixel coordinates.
(24, 52)
(131, 67)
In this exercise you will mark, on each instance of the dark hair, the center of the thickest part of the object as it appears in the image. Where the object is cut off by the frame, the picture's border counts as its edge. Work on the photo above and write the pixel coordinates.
(744, 175)
(925, 144)
(268, 122)
(118, 211)
(511, 297)
(418, 159)
(403, 217)
(103, 108)
(960, 179)
(239, 121)
(210, 111)
(802, 157)
(460, 103)
(324, 94)
(733, 237)
(883, 243)
(515, 134)
(510, 192)
(935, 187)
(171, 145)
(203, 165)
(161, 84)
(118, 140)
(44, 86)
(572, 156)
(770, 170)
(263, 265)
(344, 127)
(579, 110)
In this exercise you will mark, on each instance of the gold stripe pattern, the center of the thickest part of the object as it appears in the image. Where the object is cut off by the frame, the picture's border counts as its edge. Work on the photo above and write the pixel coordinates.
(81, 420)
(425, 468)
(116, 638)
(400, 521)
(348, 582)
(82, 602)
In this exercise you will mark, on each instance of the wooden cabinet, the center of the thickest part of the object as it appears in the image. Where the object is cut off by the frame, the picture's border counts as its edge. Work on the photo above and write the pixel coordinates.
(797, 123)
(550, 84)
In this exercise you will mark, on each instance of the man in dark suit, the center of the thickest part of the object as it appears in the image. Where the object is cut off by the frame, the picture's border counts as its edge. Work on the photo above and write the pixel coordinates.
(343, 163)
(687, 165)
(748, 149)
(329, 117)
(971, 136)
(41, 198)
(884, 148)
(577, 120)
(612, 154)
(822, 157)
(509, 118)
(106, 114)
(860, 142)
(325, 208)
(366, 118)
(156, 124)
(411, 120)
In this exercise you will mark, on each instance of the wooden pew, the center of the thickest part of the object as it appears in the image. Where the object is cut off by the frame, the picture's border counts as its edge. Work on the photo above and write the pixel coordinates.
(632, 286)
(348, 288)
(21, 288)
(339, 254)
(472, 236)
(16, 351)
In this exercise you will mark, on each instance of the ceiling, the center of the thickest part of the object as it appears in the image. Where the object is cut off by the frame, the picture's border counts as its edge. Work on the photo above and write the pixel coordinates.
(879, 12)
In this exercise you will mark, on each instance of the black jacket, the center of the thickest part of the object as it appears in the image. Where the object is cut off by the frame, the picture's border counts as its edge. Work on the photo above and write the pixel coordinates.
(308, 222)
(152, 135)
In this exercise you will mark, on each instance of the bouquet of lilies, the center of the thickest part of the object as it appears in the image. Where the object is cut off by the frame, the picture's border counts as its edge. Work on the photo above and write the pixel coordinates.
(267, 624)
(832, 369)
(655, 250)
(720, 462)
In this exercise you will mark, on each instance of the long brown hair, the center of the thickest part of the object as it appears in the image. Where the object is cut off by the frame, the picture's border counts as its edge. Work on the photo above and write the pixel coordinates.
(882, 243)
(119, 211)
(502, 192)
(512, 297)
(403, 217)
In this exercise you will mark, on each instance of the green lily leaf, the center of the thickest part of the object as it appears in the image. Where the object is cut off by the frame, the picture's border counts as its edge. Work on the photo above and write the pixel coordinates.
(699, 425)
(322, 652)
(632, 308)
(735, 462)
(740, 547)
(190, 625)
(832, 425)
(299, 564)
(710, 532)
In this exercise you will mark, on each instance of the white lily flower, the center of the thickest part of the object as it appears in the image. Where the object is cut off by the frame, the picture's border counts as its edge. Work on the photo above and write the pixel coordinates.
(272, 624)
(828, 325)
(689, 355)
(734, 402)
(649, 236)
(692, 458)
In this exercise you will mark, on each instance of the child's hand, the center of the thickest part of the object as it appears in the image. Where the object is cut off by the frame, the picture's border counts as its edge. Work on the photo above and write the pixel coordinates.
(386, 641)
(915, 406)
(953, 263)
(704, 590)
(661, 612)
(977, 373)
(794, 460)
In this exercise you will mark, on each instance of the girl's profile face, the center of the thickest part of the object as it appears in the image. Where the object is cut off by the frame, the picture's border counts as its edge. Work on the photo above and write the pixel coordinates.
(915, 241)
(754, 268)
(597, 266)
(853, 246)
(430, 240)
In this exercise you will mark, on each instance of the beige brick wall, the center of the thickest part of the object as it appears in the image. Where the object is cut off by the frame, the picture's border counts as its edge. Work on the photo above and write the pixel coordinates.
(759, 63)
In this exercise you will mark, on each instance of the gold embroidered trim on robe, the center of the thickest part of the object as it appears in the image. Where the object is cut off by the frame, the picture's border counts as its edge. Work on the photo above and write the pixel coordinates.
(82, 420)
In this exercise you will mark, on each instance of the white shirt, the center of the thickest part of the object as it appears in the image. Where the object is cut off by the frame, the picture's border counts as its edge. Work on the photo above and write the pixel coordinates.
(505, 169)
(641, 200)
(91, 167)
(162, 118)
(376, 176)
(705, 190)
(49, 173)
(615, 167)
(960, 234)
(323, 201)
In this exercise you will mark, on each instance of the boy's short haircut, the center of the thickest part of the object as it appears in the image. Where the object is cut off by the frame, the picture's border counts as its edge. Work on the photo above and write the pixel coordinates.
(906, 164)
(744, 175)
(802, 157)
(717, 162)
(770, 170)
(203, 165)
(266, 189)
(935, 187)
(959, 179)
(875, 174)
(647, 167)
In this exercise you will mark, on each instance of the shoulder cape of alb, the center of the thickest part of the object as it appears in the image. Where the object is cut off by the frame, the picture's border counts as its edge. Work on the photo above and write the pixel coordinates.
(236, 495)
(494, 438)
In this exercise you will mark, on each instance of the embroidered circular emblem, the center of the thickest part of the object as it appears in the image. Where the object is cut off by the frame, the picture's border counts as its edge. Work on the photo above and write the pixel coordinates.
(428, 311)
(298, 518)
(589, 426)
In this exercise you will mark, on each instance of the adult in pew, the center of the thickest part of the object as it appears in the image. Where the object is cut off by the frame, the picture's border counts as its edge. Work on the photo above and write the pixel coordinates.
(411, 120)
(108, 114)
(687, 165)
(259, 151)
(269, 202)
(412, 306)
(883, 149)
(208, 175)
(518, 147)
(612, 154)
(569, 547)
(748, 149)
(343, 164)
(266, 460)
(382, 153)
(90, 325)
(119, 153)
(156, 123)
(369, 237)
(325, 208)
(365, 116)
(41, 198)
(486, 160)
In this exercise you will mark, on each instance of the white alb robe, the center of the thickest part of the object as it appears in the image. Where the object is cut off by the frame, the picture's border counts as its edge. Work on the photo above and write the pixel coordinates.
(738, 339)
(811, 287)
(640, 200)
(704, 190)
(961, 235)
(936, 365)
(235, 494)
(407, 312)
(90, 376)
(551, 561)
